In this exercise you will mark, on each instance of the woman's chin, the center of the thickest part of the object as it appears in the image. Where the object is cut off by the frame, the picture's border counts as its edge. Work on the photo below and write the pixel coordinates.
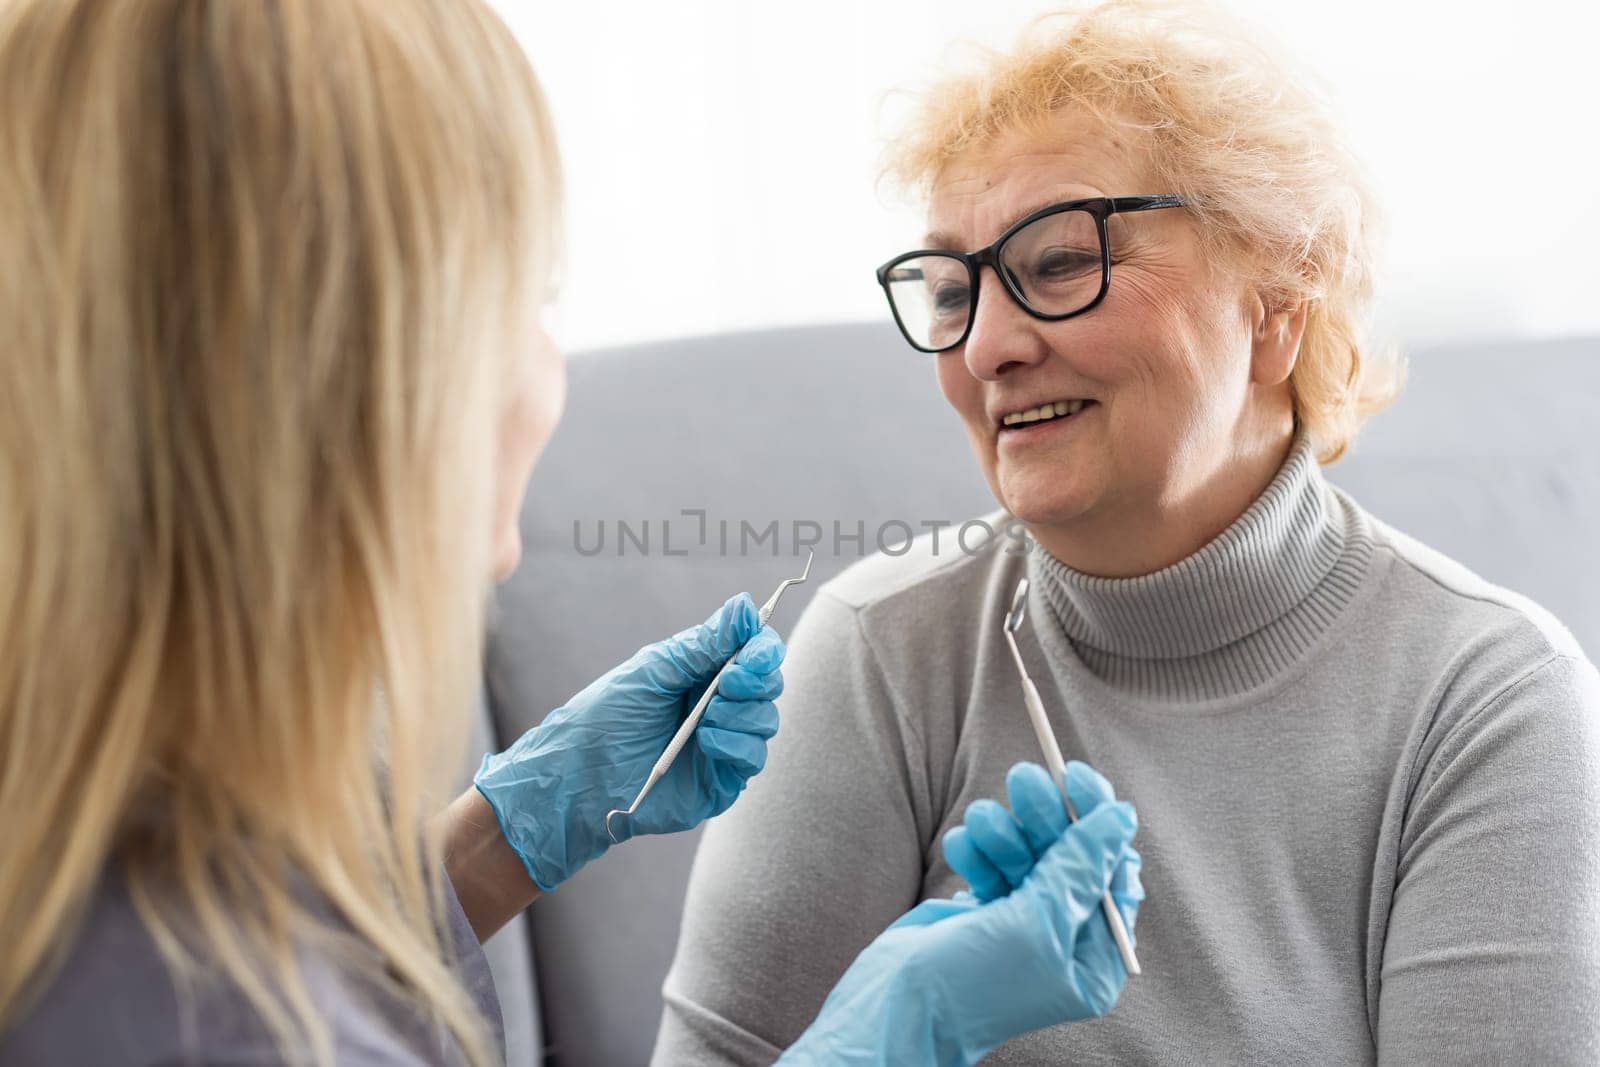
(1046, 505)
(507, 557)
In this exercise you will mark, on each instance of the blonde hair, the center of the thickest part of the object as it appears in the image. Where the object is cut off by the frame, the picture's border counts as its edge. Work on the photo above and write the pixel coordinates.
(1274, 187)
(258, 266)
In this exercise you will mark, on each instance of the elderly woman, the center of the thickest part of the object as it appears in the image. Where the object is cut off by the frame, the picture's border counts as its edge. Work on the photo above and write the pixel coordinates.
(1368, 781)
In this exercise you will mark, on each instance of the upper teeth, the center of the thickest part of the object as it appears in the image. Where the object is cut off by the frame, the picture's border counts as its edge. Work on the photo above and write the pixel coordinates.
(1044, 411)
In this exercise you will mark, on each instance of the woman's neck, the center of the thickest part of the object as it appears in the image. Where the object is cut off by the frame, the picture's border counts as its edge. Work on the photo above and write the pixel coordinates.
(1227, 618)
(1156, 533)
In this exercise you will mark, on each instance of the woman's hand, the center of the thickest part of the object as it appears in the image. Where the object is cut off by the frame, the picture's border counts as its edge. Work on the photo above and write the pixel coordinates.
(551, 790)
(994, 849)
(954, 979)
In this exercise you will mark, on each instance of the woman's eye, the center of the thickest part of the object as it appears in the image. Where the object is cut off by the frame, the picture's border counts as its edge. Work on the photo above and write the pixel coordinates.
(1059, 263)
(950, 299)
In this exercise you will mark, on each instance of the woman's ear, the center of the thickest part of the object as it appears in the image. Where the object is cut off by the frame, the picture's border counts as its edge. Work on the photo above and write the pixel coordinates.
(1275, 340)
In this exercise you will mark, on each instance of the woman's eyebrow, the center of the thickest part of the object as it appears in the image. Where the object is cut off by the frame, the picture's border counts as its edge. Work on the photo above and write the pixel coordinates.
(944, 242)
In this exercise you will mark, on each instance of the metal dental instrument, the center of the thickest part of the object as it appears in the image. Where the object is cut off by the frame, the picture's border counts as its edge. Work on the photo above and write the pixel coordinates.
(1056, 765)
(681, 738)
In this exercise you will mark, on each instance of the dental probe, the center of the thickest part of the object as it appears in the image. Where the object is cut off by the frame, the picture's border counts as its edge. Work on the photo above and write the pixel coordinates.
(1056, 765)
(681, 738)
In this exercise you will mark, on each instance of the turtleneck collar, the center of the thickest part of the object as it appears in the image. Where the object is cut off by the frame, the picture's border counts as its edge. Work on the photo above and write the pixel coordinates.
(1245, 605)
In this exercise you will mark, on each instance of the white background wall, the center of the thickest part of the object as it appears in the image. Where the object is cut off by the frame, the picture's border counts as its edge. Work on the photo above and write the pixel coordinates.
(721, 155)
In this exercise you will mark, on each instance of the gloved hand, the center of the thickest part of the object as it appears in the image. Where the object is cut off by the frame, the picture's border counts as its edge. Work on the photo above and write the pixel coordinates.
(954, 979)
(994, 849)
(552, 788)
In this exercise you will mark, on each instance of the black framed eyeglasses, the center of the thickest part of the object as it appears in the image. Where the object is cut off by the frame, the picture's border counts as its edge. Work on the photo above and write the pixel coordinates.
(1055, 263)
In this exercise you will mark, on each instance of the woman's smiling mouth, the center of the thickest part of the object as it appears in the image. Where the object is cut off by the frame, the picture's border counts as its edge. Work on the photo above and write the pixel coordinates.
(1044, 420)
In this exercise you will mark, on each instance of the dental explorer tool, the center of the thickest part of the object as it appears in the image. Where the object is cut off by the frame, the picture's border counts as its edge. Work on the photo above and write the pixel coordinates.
(681, 738)
(1056, 765)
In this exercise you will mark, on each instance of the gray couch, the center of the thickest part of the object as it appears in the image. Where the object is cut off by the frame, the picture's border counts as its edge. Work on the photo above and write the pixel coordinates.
(1491, 457)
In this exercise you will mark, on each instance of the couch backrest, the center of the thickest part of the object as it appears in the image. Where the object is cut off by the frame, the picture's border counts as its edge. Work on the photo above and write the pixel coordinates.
(1491, 457)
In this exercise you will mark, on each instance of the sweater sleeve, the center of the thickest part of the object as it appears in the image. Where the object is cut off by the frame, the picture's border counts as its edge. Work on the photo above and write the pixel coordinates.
(1493, 946)
(822, 852)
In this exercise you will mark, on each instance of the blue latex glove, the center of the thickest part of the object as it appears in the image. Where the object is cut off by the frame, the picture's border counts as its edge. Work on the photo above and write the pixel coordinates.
(954, 979)
(551, 789)
(994, 848)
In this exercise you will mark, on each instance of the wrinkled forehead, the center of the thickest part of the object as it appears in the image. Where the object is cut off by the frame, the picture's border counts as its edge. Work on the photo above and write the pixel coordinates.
(980, 193)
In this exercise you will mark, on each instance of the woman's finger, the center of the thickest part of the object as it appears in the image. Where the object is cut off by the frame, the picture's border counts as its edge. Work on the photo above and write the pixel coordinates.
(1087, 787)
(763, 653)
(965, 860)
(998, 836)
(741, 683)
(744, 753)
(1126, 885)
(1037, 805)
(758, 718)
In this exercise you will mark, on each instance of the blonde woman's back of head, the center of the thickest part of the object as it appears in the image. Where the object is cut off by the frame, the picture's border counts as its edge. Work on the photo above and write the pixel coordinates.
(257, 266)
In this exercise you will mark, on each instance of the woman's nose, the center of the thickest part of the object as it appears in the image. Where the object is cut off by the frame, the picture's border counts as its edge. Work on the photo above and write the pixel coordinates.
(1003, 336)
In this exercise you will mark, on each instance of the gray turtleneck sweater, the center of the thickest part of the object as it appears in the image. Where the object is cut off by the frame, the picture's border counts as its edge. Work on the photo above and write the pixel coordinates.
(1368, 786)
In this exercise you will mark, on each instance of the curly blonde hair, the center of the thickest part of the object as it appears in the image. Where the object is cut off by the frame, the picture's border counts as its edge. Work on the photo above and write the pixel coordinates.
(1274, 188)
